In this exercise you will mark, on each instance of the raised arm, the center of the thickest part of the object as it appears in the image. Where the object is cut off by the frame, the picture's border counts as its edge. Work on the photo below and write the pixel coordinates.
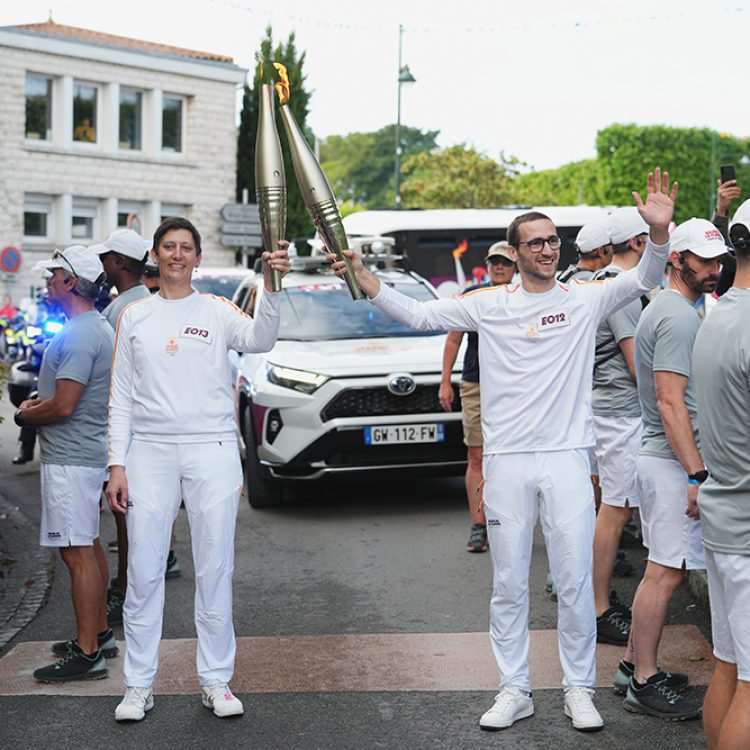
(657, 211)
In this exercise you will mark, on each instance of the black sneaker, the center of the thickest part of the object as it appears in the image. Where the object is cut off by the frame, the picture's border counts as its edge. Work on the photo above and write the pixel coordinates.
(477, 539)
(612, 627)
(115, 600)
(106, 642)
(630, 536)
(658, 699)
(75, 665)
(626, 669)
(173, 566)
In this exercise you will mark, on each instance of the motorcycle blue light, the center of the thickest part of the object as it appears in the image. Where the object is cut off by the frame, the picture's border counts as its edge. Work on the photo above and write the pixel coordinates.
(52, 326)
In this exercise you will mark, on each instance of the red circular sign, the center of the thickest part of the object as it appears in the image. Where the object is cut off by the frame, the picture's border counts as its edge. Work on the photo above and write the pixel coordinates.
(10, 259)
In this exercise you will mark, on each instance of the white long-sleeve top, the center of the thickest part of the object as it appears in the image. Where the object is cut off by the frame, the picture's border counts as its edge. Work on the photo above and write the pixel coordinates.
(171, 379)
(536, 351)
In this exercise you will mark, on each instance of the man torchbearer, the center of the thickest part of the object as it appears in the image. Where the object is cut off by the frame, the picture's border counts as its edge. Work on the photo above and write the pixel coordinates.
(536, 361)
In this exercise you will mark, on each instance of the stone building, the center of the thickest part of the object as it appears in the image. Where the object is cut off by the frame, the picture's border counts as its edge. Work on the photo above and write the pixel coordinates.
(100, 131)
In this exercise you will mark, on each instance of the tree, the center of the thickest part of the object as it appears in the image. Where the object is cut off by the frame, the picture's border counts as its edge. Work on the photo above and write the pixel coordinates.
(457, 177)
(360, 166)
(692, 156)
(298, 221)
(571, 184)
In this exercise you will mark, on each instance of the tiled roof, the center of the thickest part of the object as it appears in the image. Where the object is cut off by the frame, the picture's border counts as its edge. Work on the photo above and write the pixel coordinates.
(50, 28)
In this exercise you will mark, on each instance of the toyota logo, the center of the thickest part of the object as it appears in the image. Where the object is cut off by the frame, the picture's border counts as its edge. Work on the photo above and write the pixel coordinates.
(401, 385)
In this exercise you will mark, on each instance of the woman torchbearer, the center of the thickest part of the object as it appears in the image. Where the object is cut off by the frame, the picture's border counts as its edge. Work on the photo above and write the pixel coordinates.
(172, 437)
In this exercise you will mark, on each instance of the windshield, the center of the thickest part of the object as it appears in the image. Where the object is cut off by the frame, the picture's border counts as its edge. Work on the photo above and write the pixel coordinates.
(222, 286)
(326, 311)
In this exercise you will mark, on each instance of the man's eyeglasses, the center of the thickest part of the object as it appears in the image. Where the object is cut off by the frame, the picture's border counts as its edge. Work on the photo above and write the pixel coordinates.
(537, 244)
(57, 255)
(495, 260)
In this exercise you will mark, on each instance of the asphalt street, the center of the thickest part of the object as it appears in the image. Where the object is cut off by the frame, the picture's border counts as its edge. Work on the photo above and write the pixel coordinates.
(358, 559)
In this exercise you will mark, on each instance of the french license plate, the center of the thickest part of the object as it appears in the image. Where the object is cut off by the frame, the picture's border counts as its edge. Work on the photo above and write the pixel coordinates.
(405, 433)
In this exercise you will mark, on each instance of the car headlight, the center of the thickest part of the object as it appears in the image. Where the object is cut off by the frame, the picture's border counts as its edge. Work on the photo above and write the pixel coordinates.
(298, 380)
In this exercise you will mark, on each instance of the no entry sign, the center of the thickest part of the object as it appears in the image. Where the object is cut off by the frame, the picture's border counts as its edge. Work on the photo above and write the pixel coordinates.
(10, 259)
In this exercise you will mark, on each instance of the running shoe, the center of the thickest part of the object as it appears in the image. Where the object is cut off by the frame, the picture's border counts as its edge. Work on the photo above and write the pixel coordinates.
(580, 709)
(75, 665)
(510, 706)
(135, 703)
(220, 698)
(626, 669)
(477, 539)
(173, 566)
(612, 627)
(106, 642)
(656, 698)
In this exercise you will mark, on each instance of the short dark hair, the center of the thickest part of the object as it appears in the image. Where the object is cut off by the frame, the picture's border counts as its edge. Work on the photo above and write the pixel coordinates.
(176, 222)
(512, 235)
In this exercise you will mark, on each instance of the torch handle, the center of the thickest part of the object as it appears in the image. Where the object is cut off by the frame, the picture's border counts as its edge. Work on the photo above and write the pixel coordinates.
(272, 210)
(327, 219)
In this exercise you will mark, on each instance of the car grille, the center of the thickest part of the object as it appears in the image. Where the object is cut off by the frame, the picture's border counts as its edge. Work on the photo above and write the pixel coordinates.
(346, 449)
(380, 402)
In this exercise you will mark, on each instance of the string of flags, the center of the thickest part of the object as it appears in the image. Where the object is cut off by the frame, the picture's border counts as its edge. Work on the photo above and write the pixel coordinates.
(537, 25)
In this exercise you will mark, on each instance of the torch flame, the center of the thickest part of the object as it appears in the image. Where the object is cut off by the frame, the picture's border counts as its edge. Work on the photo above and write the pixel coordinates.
(282, 87)
(461, 249)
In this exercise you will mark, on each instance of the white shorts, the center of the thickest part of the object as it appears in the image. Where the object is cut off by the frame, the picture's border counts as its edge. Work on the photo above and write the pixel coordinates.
(70, 505)
(672, 538)
(729, 595)
(618, 440)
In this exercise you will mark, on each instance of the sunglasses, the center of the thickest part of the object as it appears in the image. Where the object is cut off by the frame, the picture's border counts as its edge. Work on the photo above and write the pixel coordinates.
(57, 255)
(498, 260)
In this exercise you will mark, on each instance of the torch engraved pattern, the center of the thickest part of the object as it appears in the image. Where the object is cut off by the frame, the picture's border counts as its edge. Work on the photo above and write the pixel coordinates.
(315, 189)
(270, 180)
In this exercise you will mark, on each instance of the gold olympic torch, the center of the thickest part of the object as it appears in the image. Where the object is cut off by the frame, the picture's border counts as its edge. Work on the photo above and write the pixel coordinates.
(317, 193)
(270, 181)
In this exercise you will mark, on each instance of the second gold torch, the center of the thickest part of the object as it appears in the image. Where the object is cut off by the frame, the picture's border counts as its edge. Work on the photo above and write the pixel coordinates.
(317, 193)
(270, 181)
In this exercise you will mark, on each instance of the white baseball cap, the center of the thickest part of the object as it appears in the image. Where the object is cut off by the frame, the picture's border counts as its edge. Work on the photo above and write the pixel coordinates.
(624, 223)
(700, 237)
(125, 242)
(79, 260)
(742, 215)
(591, 236)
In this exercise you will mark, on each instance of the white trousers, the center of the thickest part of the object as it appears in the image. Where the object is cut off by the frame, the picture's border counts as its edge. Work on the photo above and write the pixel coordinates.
(208, 476)
(556, 486)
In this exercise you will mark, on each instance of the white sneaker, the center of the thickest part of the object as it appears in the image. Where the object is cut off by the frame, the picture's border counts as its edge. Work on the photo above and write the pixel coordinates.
(511, 705)
(220, 698)
(580, 709)
(134, 705)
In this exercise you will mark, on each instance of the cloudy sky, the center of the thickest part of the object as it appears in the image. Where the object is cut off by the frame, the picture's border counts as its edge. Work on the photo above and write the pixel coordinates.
(535, 79)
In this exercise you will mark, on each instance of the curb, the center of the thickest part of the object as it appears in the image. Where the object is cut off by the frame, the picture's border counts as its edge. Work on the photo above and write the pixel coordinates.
(26, 570)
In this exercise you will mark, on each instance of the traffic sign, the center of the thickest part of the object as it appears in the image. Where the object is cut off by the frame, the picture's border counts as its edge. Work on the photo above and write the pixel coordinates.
(10, 259)
(241, 240)
(240, 212)
(241, 228)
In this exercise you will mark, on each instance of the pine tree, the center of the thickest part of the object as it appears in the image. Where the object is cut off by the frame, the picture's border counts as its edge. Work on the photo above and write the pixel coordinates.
(298, 221)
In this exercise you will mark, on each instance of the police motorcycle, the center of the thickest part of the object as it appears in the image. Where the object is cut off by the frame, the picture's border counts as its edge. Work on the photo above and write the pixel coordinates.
(24, 374)
(13, 337)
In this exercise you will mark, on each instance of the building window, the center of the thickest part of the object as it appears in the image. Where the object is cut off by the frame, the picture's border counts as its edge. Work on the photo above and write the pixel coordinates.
(38, 108)
(84, 219)
(171, 124)
(37, 217)
(85, 97)
(168, 210)
(130, 119)
(130, 216)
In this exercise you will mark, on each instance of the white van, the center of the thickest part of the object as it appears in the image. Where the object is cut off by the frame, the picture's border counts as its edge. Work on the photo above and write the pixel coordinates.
(429, 237)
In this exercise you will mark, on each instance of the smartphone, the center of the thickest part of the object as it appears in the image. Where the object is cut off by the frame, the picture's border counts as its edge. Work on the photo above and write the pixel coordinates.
(727, 172)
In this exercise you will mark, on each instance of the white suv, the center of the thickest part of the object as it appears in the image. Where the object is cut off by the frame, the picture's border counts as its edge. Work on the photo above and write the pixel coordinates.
(346, 388)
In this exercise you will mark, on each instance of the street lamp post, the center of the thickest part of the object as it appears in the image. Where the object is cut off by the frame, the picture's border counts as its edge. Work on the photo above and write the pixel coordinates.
(404, 76)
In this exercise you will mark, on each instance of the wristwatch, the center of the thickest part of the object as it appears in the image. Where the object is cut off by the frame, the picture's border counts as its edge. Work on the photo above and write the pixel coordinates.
(699, 477)
(18, 418)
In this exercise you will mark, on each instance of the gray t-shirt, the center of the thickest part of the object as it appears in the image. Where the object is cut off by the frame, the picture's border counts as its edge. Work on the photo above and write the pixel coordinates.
(82, 351)
(664, 343)
(112, 311)
(615, 394)
(721, 369)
